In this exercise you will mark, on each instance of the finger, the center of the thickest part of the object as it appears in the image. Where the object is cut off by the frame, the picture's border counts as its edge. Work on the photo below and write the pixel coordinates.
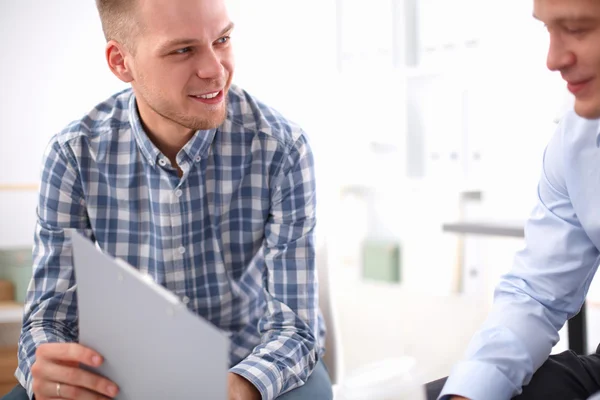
(67, 392)
(77, 377)
(69, 352)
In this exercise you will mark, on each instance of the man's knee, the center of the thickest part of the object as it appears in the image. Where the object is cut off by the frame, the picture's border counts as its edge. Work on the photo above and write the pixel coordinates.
(18, 393)
(318, 386)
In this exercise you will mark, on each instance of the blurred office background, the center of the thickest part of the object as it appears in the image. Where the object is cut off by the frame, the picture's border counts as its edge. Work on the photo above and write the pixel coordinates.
(421, 113)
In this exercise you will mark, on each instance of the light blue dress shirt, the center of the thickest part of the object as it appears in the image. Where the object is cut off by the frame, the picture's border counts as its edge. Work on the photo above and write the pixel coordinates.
(551, 275)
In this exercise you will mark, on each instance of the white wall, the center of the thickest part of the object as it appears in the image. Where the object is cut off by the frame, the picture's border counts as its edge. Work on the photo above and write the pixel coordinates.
(53, 71)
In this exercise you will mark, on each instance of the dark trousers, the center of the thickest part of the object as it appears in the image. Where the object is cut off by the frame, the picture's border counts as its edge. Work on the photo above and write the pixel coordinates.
(564, 376)
(18, 393)
(318, 386)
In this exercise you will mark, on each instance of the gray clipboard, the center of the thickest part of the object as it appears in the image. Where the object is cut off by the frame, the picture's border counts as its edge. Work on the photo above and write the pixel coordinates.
(153, 346)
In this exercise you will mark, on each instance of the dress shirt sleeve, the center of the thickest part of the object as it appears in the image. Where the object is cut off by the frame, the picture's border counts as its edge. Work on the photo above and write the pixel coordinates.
(51, 308)
(546, 286)
(289, 349)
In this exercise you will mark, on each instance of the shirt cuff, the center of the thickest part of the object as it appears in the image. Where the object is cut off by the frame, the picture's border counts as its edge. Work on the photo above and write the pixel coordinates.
(264, 375)
(36, 338)
(22, 378)
(26, 383)
(478, 381)
(29, 389)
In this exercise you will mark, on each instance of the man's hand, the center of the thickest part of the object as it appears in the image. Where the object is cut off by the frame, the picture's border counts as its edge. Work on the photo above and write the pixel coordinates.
(56, 373)
(241, 389)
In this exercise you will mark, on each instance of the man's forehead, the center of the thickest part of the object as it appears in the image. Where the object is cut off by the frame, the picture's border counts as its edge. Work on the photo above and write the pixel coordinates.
(562, 11)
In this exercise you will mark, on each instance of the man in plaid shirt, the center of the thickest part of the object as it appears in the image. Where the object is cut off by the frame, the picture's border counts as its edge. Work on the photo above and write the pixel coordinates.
(194, 182)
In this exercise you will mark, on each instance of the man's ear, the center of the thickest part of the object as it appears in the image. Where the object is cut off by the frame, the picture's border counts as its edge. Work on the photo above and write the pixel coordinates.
(115, 56)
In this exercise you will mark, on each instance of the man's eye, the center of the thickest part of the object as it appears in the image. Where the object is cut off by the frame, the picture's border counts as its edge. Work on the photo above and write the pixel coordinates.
(575, 31)
(183, 51)
(223, 40)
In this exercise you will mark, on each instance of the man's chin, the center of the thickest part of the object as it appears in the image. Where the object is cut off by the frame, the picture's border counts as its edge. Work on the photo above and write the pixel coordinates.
(217, 121)
(208, 122)
(588, 109)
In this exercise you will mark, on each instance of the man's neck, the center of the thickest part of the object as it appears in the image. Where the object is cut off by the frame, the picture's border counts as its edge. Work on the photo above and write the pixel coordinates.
(168, 136)
(168, 142)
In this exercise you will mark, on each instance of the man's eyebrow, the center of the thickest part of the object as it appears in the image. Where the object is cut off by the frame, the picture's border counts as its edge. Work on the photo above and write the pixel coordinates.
(176, 43)
(188, 41)
(227, 29)
(575, 18)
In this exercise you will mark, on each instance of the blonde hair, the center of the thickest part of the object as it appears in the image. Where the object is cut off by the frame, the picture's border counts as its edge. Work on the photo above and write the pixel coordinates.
(118, 21)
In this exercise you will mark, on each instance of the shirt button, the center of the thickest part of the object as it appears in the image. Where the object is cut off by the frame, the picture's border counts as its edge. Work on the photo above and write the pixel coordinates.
(181, 250)
(198, 158)
(178, 193)
(162, 162)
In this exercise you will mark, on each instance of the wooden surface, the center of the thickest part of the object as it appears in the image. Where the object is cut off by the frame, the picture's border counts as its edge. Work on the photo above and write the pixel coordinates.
(7, 290)
(8, 365)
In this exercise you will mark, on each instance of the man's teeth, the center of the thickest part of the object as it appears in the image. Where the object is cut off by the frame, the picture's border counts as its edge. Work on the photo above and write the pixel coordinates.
(208, 96)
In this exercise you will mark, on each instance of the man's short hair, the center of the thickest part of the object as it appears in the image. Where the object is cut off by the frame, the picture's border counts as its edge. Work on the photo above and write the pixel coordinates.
(118, 20)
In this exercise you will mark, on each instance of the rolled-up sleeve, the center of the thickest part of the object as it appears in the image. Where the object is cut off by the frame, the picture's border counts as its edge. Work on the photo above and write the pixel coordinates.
(51, 308)
(289, 347)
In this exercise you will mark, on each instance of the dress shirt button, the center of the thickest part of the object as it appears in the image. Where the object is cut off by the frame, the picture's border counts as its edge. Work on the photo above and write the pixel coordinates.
(178, 193)
(198, 158)
(162, 162)
(181, 250)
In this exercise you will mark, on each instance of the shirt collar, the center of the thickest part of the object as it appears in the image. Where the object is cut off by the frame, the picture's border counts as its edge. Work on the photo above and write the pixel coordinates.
(199, 145)
(196, 148)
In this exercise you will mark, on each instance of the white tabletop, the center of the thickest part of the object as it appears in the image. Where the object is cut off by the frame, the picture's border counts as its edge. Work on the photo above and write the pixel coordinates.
(10, 312)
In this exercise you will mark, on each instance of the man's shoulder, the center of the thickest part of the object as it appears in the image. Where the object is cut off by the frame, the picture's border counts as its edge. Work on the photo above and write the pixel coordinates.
(110, 115)
(575, 127)
(251, 114)
(571, 152)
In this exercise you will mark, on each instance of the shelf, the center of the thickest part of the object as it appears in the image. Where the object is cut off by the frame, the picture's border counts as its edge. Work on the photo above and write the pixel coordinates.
(18, 187)
(489, 228)
(10, 312)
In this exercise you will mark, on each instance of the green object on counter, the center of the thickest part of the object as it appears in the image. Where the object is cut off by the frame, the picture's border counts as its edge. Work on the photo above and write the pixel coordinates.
(381, 261)
(16, 265)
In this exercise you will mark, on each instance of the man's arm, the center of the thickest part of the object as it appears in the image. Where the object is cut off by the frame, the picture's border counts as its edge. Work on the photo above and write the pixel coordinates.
(546, 286)
(289, 349)
(50, 310)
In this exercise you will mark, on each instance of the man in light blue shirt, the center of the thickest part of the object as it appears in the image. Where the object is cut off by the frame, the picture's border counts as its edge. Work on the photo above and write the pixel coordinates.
(550, 278)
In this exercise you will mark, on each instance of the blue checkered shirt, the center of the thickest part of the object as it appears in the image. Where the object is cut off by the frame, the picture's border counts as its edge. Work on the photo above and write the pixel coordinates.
(234, 234)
